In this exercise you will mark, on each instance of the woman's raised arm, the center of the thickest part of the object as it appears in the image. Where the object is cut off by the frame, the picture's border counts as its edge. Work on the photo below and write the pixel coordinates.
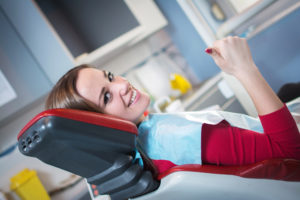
(233, 56)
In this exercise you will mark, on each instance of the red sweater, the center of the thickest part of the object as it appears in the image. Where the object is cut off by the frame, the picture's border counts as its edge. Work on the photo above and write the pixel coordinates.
(223, 144)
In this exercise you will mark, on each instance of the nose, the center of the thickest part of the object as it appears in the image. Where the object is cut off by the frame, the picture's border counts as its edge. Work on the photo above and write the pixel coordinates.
(122, 85)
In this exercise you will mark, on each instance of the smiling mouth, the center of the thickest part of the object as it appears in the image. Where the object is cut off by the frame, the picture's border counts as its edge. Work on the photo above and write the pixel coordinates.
(132, 99)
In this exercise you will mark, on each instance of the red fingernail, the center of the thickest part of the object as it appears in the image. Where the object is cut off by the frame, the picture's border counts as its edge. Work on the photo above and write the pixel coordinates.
(208, 50)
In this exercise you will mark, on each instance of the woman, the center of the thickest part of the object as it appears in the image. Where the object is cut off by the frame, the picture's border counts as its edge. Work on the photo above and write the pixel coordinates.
(94, 90)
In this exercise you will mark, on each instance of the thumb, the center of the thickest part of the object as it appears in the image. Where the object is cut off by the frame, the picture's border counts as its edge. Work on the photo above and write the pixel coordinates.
(214, 53)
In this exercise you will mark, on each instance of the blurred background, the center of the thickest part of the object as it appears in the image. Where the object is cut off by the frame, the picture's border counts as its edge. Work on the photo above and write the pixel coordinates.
(158, 45)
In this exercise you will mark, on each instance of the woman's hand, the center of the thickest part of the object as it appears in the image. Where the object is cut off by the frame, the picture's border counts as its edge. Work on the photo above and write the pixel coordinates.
(232, 55)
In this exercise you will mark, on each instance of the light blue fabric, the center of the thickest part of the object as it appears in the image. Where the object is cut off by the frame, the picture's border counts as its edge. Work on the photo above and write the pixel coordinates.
(294, 106)
(242, 121)
(171, 137)
(138, 158)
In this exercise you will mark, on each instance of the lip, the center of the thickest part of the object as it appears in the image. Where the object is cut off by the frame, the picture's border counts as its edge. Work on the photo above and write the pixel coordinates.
(136, 97)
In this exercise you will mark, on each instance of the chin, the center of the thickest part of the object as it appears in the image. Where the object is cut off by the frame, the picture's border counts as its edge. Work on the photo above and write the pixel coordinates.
(147, 98)
(141, 111)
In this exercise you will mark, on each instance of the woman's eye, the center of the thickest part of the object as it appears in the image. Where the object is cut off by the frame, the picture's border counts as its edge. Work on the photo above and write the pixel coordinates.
(110, 76)
(106, 97)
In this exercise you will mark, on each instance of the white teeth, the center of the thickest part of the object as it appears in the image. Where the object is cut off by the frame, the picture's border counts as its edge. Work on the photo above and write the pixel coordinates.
(132, 97)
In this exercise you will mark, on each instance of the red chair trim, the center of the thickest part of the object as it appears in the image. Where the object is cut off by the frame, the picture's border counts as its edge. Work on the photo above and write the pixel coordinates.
(87, 117)
(278, 169)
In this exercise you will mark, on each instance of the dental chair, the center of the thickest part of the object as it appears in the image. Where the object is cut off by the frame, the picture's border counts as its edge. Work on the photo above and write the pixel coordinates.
(102, 149)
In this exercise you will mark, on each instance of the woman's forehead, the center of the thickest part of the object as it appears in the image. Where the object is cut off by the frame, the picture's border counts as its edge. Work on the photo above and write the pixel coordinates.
(89, 82)
(90, 74)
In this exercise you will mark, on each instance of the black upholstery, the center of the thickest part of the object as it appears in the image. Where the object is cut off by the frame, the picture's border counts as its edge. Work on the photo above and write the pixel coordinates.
(103, 155)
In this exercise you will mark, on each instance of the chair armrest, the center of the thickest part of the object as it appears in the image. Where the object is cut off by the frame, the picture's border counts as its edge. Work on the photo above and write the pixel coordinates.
(278, 169)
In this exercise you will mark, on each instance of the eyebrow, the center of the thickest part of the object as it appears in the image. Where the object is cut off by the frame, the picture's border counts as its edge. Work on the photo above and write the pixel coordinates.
(102, 90)
(104, 73)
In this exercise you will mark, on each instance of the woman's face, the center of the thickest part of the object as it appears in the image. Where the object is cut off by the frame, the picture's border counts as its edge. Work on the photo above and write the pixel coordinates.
(114, 95)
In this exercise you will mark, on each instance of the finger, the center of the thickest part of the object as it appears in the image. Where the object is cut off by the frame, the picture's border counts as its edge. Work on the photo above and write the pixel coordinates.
(208, 50)
(213, 52)
(216, 56)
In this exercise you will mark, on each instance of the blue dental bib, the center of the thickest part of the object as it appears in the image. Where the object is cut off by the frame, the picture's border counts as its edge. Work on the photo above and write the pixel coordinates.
(171, 137)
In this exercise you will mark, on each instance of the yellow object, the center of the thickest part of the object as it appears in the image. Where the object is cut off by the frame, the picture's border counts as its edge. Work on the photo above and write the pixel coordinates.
(180, 83)
(28, 186)
(217, 12)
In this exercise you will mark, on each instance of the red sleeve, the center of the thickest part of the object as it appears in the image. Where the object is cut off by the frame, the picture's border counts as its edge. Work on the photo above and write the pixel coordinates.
(226, 145)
